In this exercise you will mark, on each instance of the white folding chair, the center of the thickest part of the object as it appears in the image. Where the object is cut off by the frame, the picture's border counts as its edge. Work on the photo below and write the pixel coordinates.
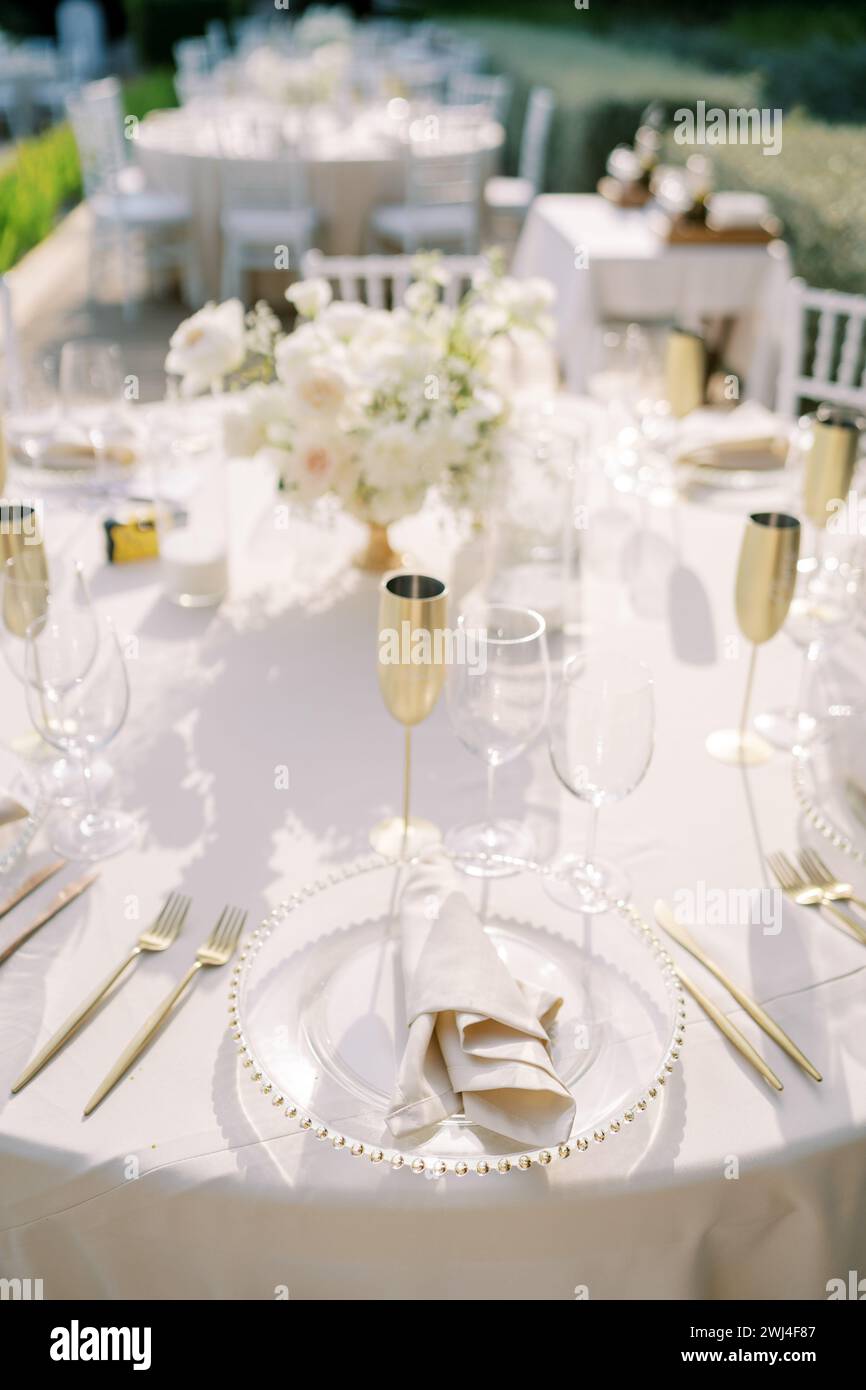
(512, 196)
(127, 214)
(382, 281)
(823, 349)
(469, 88)
(265, 206)
(192, 57)
(443, 196)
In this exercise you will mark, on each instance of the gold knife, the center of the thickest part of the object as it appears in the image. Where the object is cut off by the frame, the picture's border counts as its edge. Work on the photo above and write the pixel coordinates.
(66, 896)
(666, 919)
(731, 1031)
(30, 884)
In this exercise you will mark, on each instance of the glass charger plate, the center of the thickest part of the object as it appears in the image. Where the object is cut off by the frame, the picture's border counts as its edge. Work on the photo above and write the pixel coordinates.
(19, 783)
(833, 800)
(316, 1011)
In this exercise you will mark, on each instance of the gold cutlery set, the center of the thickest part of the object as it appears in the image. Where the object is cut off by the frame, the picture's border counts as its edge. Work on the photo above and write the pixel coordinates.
(814, 887)
(217, 950)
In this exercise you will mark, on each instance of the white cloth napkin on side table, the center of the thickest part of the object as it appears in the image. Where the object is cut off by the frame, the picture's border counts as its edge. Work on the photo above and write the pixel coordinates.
(477, 1037)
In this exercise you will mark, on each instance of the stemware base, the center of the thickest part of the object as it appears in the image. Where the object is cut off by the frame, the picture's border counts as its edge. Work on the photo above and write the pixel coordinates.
(97, 835)
(787, 728)
(586, 887)
(480, 849)
(63, 780)
(739, 748)
(394, 838)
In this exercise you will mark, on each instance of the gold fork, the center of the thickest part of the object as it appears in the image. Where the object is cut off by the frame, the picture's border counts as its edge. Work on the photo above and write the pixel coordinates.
(808, 894)
(833, 889)
(217, 950)
(158, 937)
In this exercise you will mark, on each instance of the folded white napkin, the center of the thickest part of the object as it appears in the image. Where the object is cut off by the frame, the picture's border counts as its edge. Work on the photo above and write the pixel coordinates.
(477, 1037)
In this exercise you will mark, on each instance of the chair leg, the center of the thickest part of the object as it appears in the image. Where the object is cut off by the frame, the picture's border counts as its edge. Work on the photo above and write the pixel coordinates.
(230, 274)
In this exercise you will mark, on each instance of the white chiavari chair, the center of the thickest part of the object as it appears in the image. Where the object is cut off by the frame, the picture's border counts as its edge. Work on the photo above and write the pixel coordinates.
(128, 216)
(823, 356)
(265, 206)
(443, 196)
(382, 281)
(512, 196)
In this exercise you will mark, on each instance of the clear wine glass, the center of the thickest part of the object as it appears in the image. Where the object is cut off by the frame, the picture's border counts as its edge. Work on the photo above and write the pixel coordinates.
(79, 707)
(601, 742)
(26, 594)
(91, 385)
(497, 694)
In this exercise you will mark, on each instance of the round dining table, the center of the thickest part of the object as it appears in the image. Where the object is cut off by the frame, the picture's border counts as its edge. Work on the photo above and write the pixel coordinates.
(352, 166)
(187, 1182)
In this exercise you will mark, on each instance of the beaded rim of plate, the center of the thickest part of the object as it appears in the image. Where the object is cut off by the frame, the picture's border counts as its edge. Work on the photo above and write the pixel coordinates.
(817, 818)
(431, 1165)
(28, 828)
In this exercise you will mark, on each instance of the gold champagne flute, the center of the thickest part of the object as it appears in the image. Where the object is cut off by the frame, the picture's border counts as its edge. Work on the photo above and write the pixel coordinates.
(685, 371)
(827, 476)
(766, 578)
(412, 616)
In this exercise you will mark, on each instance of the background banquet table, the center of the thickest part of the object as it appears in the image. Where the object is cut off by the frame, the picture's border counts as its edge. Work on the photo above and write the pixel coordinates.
(610, 263)
(350, 171)
(187, 1183)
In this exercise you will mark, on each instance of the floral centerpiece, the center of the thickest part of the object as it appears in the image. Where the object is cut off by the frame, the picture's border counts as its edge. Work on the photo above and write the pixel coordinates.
(296, 81)
(372, 406)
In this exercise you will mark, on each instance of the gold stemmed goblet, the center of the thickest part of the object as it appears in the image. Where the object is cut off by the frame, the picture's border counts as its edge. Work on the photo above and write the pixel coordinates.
(828, 473)
(412, 616)
(766, 578)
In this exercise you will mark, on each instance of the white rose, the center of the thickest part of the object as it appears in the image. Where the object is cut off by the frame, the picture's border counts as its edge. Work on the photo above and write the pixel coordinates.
(207, 346)
(310, 297)
(250, 417)
(317, 462)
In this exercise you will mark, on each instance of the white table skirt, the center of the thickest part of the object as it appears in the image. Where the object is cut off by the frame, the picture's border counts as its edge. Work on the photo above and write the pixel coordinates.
(187, 1183)
(609, 263)
(346, 181)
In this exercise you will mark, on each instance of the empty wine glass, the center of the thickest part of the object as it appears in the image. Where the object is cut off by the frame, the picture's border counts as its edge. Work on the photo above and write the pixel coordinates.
(91, 390)
(497, 696)
(27, 591)
(79, 707)
(601, 742)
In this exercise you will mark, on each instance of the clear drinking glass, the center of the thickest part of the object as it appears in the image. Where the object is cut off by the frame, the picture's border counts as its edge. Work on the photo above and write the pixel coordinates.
(601, 741)
(497, 695)
(91, 383)
(27, 591)
(192, 527)
(79, 704)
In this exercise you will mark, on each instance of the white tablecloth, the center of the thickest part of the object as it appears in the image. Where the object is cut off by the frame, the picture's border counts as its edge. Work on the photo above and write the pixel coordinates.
(349, 173)
(187, 1183)
(609, 263)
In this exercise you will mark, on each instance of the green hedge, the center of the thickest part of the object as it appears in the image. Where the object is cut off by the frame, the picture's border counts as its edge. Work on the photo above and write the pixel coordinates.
(601, 88)
(42, 178)
(815, 184)
(157, 25)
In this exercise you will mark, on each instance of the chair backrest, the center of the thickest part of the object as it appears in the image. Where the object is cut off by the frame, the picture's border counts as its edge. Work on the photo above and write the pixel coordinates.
(96, 115)
(823, 349)
(192, 57)
(11, 351)
(264, 185)
(382, 281)
(536, 131)
(81, 30)
(468, 88)
(443, 172)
